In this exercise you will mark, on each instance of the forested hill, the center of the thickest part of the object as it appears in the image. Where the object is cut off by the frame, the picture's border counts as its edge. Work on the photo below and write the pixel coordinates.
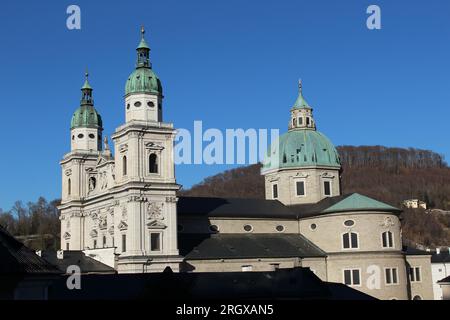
(387, 174)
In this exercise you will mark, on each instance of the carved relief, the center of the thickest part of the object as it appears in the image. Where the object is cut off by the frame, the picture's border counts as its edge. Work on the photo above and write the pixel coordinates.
(103, 222)
(171, 199)
(68, 172)
(111, 230)
(387, 222)
(66, 236)
(154, 211)
(124, 213)
(122, 226)
(154, 146)
(156, 225)
(93, 233)
(123, 147)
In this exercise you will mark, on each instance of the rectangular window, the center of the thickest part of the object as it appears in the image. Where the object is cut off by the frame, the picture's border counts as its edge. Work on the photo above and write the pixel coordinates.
(155, 241)
(95, 244)
(300, 186)
(327, 188)
(104, 242)
(275, 191)
(67, 246)
(354, 237)
(414, 274)
(352, 277)
(300, 121)
(124, 243)
(388, 241)
(391, 276)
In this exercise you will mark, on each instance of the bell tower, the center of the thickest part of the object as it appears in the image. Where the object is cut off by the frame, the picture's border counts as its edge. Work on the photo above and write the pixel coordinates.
(85, 140)
(145, 175)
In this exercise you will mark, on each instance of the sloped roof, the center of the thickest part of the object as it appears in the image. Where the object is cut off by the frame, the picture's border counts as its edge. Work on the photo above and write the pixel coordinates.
(245, 246)
(232, 207)
(442, 257)
(16, 258)
(343, 203)
(79, 258)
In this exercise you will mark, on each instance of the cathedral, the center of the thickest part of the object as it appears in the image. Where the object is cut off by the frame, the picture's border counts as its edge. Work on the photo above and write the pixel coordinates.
(121, 206)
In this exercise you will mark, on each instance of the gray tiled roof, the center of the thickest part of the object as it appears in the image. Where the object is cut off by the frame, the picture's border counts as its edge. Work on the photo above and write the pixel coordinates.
(78, 258)
(16, 258)
(244, 246)
(233, 207)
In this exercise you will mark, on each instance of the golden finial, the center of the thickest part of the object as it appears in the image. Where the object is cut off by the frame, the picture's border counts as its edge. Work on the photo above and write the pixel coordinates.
(86, 73)
(300, 86)
(142, 31)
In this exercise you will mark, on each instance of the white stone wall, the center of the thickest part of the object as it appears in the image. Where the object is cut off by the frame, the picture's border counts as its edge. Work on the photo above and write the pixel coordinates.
(314, 184)
(439, 271)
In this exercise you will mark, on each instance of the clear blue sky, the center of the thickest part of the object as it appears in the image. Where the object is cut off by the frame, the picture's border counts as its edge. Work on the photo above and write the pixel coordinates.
(231, 64)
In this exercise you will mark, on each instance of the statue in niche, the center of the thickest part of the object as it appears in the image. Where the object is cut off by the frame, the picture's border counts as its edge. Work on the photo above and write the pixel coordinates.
(92, 184)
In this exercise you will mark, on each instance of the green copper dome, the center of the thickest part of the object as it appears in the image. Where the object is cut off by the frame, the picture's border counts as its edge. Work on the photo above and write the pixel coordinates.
(143, 80)
(86, 117)
(301, 148)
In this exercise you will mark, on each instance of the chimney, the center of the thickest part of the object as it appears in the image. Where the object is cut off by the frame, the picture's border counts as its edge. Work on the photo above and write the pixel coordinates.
(60, 254)
(438, 250)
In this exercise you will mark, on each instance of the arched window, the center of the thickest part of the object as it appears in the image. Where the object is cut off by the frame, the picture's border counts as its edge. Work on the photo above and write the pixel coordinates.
(153, 163)
(69, 187)
(388, 240)
(124, 165)
(350, 240)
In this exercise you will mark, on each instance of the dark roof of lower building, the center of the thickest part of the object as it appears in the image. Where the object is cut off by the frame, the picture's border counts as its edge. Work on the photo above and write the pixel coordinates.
(445, 280)
(411, 251)
(232, 207)
(261, 208)
(246, 246)
(282, 284)
(78, 258)
(16, 258)
(442, 257)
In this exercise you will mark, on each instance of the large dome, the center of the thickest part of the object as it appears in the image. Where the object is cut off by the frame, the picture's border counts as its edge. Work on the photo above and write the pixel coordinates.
(143, 80)
(86, 117)
(301, 148)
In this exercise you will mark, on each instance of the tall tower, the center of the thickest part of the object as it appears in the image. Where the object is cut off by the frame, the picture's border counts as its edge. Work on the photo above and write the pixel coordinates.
(303, 166)
(145, 176)
(77, 181)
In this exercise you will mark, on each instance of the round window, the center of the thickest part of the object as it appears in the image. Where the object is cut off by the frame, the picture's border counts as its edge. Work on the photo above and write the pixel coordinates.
(150, 104)
(137, 104)
(248, 228)
(313, 226)
(214, 228)
(279, 228)
(349, 223)
(80, 136)
(92, 136)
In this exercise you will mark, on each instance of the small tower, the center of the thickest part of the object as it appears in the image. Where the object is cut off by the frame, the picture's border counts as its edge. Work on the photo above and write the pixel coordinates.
(78, 176)
(301, 112)
(143, 90)
(303, 166)
(86, 125)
